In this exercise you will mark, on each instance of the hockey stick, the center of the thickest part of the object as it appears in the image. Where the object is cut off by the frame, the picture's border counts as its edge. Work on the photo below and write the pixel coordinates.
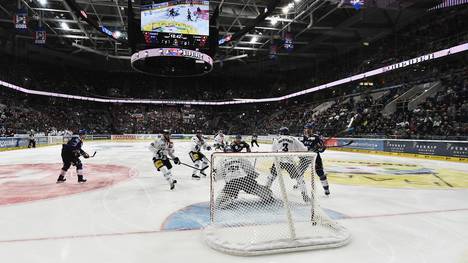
(91, 156)
(343, 145)
(193, 167)
(348, 128)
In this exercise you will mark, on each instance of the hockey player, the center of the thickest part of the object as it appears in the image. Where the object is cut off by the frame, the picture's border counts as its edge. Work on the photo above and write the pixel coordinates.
(219, 142)
(161, 149)
(198, 143)
(315, 143)
(71, 153)
(286, 143)
(239, 175)
(189, 15)
(32, 139)
(238, 145)
(254, 140)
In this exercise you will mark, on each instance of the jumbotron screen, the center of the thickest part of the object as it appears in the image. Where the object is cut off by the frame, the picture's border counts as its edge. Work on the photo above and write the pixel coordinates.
(188, 17)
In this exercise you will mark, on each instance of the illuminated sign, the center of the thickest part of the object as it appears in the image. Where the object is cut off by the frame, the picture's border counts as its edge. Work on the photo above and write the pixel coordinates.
(382, 70)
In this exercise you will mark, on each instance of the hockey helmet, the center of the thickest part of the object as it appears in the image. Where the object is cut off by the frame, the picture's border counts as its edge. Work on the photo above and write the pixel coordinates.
(239, 137)
(284, 131)
(309, 125)
(228, 149)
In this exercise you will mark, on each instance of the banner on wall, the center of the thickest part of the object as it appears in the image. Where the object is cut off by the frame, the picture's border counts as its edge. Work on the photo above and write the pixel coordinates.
(40, 36)
(21, 20)
(363, 144)
(289, 42)
(456, 149)
(13, 142)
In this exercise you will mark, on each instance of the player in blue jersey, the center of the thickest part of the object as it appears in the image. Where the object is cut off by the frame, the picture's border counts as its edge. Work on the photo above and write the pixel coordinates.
(71, 153)
(315, 143)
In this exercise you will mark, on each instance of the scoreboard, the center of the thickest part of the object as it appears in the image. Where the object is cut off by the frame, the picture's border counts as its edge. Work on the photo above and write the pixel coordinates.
(175, 24)
(159, 39)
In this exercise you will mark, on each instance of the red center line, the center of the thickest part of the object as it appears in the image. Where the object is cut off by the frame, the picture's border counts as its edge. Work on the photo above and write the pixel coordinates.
(145, 232)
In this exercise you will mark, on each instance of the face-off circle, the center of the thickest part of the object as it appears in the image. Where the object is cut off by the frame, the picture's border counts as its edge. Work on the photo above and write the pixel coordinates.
(30, 182)
(172, 62)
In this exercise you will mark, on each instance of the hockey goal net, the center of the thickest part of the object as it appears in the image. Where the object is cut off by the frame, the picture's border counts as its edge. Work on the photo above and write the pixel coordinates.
(265, 203)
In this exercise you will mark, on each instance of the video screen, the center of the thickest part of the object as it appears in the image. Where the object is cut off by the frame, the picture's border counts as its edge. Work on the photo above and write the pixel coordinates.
(189, 17)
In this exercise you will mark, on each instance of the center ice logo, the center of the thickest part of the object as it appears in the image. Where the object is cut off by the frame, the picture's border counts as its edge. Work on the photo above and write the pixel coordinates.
(32, 182)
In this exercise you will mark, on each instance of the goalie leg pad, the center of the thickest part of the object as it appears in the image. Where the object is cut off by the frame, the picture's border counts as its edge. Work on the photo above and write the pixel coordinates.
(291, 169)
(263, 192)
(304, 163)
(224, 200)
(272, 176)
(233, 187)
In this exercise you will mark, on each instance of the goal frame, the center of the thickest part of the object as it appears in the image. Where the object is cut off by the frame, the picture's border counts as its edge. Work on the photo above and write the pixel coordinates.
(290, 245)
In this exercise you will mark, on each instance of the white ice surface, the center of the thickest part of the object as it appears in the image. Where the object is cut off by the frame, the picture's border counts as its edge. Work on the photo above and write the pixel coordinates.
(122, 223)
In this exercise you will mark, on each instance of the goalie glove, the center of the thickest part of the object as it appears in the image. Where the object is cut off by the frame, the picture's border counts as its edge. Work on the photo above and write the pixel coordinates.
(176, 160)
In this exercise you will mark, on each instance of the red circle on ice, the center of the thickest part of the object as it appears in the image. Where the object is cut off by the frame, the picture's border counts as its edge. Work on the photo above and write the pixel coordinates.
(30, 182)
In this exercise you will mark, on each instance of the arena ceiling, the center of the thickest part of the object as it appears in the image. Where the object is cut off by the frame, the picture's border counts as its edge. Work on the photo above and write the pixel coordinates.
(320, 28)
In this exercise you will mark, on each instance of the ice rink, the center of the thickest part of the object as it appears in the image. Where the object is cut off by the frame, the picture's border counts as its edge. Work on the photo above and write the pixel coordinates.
(397, 209)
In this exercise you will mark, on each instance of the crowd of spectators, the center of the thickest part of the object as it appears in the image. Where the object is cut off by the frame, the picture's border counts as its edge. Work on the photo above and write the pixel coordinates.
(440, 116)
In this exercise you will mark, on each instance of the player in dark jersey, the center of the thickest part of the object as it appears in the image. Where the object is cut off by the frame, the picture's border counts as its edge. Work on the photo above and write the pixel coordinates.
(314, 143)
(71, 153)
(254, 140)
(189, 15)
(238, 145)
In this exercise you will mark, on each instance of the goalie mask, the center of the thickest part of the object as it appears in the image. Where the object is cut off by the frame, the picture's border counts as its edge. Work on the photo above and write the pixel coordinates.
(228, 149)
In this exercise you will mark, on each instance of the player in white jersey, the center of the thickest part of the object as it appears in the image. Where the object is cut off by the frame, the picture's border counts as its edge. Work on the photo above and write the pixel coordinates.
(161, 149)
(239, 175)
(198, 158)
(219, 142)
(286, 143)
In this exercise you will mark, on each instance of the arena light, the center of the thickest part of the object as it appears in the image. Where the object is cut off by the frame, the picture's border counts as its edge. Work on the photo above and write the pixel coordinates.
(274, 20)
(64, 26)
(117, 34)
(382, 70)
(42, 2)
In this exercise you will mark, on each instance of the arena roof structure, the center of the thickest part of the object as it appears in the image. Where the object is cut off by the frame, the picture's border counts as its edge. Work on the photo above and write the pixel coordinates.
(319, 28)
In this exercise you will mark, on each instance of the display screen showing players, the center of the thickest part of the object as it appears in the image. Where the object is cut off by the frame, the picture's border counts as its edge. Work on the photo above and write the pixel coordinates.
(190, 17)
